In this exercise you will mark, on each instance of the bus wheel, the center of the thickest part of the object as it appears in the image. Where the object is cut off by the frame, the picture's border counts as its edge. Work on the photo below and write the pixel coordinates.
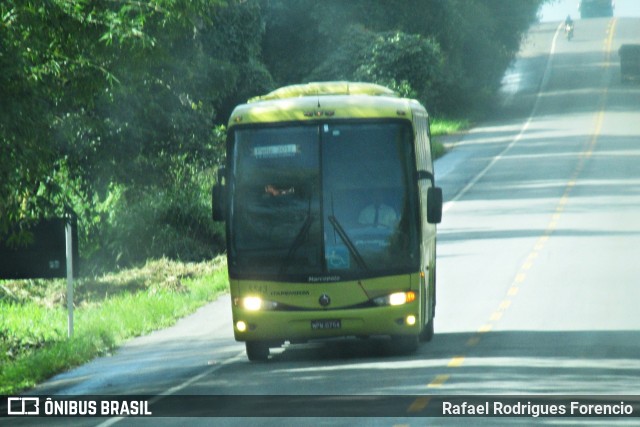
(404, 344)
(257, 351)
(427, 333)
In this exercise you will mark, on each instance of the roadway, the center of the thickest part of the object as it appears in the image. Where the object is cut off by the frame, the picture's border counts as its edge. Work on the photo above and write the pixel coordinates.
(538, 265)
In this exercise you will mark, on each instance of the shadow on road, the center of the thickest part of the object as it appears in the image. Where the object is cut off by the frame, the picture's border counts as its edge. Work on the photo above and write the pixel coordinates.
(505, 362)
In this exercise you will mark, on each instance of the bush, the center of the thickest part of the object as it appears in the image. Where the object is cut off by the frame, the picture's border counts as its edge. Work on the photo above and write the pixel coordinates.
(172, 221)
(407, 63)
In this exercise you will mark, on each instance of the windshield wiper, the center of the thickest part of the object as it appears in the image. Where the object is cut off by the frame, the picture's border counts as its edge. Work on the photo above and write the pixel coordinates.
(347, 241)
(297, 242)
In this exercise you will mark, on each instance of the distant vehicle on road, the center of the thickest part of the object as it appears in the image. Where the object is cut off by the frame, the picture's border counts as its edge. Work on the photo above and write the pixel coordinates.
(331, 212)
(568, 30)
(596, 8)
(629, 62)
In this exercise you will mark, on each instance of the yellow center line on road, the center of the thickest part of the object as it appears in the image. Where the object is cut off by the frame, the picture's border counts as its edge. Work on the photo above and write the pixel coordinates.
(438, 381)
(560, 207)
(473, 341)
(456, 362)
(419, 404)
(422, 402)
(485, 328)
(505, 304)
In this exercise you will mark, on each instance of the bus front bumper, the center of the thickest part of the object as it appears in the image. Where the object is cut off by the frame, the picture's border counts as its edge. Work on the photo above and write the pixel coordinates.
(309, 325)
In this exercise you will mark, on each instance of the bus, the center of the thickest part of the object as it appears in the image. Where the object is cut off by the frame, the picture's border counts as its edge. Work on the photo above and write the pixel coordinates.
(330, 206)
(596, 8)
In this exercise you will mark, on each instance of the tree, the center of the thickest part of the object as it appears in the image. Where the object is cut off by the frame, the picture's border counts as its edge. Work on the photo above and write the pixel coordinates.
(407, 63)
(463, 46)
(104, 98)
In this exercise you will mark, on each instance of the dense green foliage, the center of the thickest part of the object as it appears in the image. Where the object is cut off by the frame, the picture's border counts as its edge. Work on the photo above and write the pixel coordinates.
(450, 54)
(117, 109)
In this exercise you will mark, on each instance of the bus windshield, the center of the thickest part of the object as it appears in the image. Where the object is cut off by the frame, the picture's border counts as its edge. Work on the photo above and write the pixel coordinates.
(320, 201)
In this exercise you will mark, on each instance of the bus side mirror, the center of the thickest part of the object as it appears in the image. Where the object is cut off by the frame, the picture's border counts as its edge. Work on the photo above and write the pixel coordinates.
(434, 205)
(219, 198)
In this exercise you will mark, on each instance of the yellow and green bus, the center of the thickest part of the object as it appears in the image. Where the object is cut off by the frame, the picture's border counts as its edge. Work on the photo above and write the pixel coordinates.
(330, 205)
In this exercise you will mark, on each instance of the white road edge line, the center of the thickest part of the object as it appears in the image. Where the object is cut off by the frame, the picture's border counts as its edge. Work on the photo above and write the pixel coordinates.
(175, 389)
(534, 111)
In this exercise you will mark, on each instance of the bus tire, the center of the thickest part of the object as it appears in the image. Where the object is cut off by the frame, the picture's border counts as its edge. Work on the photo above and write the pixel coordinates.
(427, 333)
(257, 351)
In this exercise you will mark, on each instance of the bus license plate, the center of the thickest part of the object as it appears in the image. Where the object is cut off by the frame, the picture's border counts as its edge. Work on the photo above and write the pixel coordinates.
(326, 324)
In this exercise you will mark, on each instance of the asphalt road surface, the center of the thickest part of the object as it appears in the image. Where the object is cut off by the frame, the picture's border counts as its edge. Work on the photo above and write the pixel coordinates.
(538, 270)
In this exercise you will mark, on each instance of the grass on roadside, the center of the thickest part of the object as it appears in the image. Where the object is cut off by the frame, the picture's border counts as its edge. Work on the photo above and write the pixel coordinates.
(110, 309)
(448, 126)
(441, 127)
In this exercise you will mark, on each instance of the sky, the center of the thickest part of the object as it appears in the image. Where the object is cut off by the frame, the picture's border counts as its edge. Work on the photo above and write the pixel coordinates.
(557, 10)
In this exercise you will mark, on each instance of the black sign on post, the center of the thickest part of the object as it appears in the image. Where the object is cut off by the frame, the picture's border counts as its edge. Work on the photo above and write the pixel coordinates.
(45, 257)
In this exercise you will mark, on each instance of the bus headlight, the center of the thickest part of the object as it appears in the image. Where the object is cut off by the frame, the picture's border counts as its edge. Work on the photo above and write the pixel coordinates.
(396, 298)
(254, 303)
